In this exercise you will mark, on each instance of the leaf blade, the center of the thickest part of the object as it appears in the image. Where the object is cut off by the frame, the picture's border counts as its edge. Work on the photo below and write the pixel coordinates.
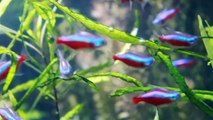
(123, 77)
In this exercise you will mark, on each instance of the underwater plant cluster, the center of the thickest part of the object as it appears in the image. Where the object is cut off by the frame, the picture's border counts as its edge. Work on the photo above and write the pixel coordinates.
(48, 52)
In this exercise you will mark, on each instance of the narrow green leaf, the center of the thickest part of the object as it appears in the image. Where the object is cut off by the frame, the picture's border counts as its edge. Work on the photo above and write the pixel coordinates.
(28, 20)
(123, 77)
(12, 98)
(10, 74)
(208, 42)
(156, 114)
(3, 6)
(4, 50)
(90, 83)
(94, 68)
(125, 90)
(5, 29)
(99, 28)
(38, 27)
(46, 13)
(72, 113)
(21, 87)
(36, 83)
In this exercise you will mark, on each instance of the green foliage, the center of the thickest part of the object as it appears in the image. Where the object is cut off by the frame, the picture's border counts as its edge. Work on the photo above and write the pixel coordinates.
(10, 75)
(156, 114)
(43, 75)
(208, 42)
(3, 6)
(37, 31)
(91, 84)
(123, 77)
(72, 112)
(126, 90)
(46, 12)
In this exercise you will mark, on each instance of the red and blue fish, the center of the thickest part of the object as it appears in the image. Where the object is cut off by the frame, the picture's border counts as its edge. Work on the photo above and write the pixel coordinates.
(184, 62)
(5, 66)
(8, 114)
(165, 15)
(157, 97)
(64, 67)
(179, 39)
(81, 40)
(134, 60)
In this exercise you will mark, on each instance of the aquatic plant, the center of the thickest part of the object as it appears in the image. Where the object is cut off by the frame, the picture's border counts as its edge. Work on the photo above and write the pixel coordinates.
(37, 33)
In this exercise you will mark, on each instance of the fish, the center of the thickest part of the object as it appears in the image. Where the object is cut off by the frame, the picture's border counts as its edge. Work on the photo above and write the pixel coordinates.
(179, 39)
(184, 62)
(5, 66)
(8, 114)
(81, 40)
(165, 15)
(64, 67)
(157, 97)
(134, 60)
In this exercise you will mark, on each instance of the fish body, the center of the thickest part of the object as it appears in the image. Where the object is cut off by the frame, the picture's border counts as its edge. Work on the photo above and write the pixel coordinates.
(184, 62)
(134, 60)
(157, 97)
(81, 40)
(8, 114)
(64, 67)
(165, 15)
(179, 39)
(5, 66)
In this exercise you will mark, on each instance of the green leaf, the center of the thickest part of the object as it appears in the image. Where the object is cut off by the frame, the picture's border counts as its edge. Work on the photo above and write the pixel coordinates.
(42, 76)
(123, 77)
(3, 6)
(4, 50)
(10, 74)
(12, 98)
(90, 83)
(5, 29)
(46, 12)
(208, 42)
(21, 87)
(38, 27)
(126, 90)
(73, 112)
(156, 114)
(28, 20)
(99, 28)
(94, 68)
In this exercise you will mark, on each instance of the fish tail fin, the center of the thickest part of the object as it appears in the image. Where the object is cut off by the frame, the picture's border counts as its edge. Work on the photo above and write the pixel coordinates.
(136, 100)
(59, 53)
(115, 57)
(58, 40)
(23, 57)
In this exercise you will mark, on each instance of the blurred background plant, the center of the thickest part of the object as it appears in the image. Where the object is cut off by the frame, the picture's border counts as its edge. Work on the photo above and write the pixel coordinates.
(30, 28)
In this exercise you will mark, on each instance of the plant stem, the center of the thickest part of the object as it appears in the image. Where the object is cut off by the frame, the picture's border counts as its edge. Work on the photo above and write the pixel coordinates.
(56, 101)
